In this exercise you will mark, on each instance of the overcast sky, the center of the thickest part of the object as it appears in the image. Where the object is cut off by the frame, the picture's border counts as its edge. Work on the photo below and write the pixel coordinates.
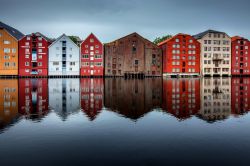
(112, 19)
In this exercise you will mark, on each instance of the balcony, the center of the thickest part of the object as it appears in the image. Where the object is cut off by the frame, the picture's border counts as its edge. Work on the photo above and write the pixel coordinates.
(217, 58)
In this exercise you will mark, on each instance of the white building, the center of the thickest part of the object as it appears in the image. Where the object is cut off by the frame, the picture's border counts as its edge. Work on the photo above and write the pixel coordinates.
(215, 53)
(64, 96)
(64, 57)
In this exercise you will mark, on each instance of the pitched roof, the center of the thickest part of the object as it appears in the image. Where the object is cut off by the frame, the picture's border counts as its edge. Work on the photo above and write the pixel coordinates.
(60, 38)
(144, 39)
(202, 34)
(12, 31)
(238, 38)
(43, 36)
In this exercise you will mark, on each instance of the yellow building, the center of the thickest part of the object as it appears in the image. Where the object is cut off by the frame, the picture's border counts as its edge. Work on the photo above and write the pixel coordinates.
(8, 102)
(9, 50)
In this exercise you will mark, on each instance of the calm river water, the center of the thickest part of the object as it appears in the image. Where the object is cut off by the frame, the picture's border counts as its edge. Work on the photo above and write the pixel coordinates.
(125, 122)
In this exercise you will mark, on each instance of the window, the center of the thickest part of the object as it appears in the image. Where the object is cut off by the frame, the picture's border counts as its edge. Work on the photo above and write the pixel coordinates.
(86, 46)
(40, 57)
(40, 38)
(27, 51)
(6, 57)
(40, 64)
(70, 49)
(55, 63)
(72, 63)
(6, 42)
(27, 56)
(57, 48)
(40, 44)
(136, 62)
(27, 70)
(40, 50)
(177, 40)
(27, 63)
(0, 35)
(13, 50)
(98, 56)
(97, 46)
(6, 50)
(91, 40)
(85, 56)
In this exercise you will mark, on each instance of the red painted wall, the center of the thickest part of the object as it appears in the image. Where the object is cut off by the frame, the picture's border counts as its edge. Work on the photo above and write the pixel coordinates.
(240, 95)
(181, 97)
(167, 48)
(98, 50)
(43, 69)
(33, 96)
(92, 96)
(240, 60)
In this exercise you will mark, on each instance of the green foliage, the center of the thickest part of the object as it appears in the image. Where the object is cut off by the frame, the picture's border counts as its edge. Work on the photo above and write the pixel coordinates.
(161, 39)
(75, 39)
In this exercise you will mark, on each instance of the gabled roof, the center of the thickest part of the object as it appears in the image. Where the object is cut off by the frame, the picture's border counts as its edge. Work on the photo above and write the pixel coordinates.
(238, 38)
(60, 38)
(40, 34)
(167, 40)
(202, 34)
(144, 39)
(91, 34)
(12, 31)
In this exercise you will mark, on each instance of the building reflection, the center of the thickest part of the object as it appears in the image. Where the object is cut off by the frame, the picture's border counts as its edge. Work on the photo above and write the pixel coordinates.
(92, 96)
(133, 98)
(64, 96)
(33, 101)
(8, 102)
(240, 95)
(215, 99)
(181, 97)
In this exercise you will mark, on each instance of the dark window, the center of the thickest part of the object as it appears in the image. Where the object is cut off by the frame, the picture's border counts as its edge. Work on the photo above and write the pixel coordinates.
(136, 62)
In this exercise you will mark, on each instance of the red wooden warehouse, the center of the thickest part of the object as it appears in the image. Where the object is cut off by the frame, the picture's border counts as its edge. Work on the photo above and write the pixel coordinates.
(181, 55)
(33, 55)
(240, 56)
(91, 57)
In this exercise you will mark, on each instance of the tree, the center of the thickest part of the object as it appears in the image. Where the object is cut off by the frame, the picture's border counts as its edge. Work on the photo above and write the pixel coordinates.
(161, 39)
(75, 39)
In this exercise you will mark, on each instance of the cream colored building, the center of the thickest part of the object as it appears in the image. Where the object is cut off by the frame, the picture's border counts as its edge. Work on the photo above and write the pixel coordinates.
(215, 98)
(215, 53)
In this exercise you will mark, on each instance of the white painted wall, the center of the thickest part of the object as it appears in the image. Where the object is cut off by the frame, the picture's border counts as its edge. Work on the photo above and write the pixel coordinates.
(211, 66)
(72, 55)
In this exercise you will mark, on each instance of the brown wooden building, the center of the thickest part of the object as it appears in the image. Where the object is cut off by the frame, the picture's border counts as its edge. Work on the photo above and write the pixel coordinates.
(132, 56)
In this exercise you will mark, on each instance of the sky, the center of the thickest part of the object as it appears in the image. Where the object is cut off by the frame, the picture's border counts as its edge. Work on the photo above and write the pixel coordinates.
(112, 19)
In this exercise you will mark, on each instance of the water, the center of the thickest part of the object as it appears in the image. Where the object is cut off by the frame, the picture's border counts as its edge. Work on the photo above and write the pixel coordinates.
(125, 122)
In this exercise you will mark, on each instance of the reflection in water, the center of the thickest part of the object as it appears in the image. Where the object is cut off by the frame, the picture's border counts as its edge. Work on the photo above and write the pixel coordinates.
(216, 99)
(92, 97)
(210, 99)
(181, 97)
(133, 98)
(240, 95)
(64, 96)
(33, 101)
(8, 102)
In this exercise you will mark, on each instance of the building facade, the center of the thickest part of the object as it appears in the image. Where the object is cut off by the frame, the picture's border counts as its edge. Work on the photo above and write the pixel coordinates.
(92, 59)
(132, 56)
(215, 53)
(33, 55)
(64, 57)
(181, 56)
(240, 56)
(9, 50)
